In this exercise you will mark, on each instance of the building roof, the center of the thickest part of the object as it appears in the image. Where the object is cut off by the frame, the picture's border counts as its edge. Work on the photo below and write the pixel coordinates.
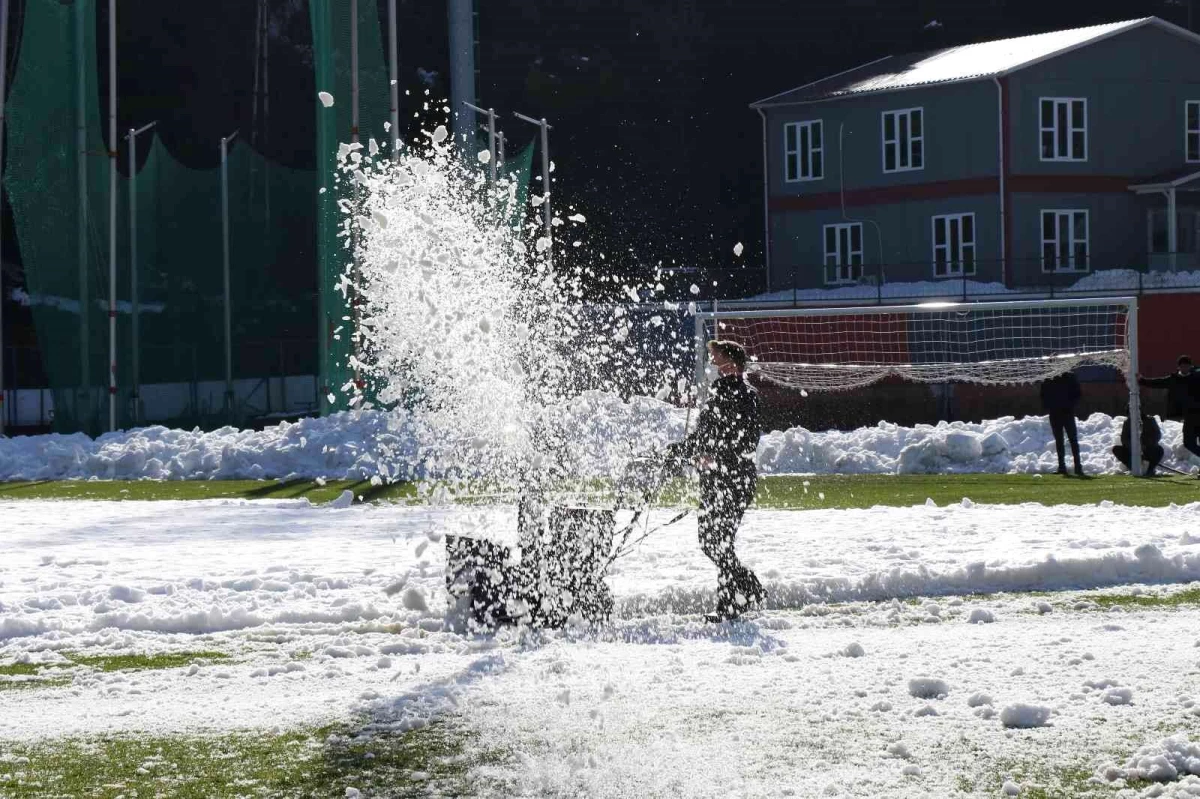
(966, 62)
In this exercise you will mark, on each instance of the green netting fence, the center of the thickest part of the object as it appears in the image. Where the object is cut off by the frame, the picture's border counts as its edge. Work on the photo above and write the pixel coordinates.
(283, 322)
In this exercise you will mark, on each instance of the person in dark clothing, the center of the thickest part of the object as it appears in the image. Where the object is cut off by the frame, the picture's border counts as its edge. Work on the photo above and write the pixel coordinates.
(1060, 395)
(1152, 451)
(1183, 400)
(722, 447)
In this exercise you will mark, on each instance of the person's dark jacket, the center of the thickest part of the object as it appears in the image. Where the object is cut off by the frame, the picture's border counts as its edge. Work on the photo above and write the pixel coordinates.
(1183, 391)
(1061, 393)
(728, 429)
(1151, 433)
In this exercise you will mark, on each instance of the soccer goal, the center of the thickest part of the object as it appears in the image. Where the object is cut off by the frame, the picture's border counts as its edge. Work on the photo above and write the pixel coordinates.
(838, 349)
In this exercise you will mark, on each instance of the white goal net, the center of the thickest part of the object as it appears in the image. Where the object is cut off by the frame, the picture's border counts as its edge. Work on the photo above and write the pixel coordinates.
(830, 349)
(824, 349)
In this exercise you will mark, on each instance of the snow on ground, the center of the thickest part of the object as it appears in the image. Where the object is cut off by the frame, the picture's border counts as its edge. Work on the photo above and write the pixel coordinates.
(859, 698)
(349, 445)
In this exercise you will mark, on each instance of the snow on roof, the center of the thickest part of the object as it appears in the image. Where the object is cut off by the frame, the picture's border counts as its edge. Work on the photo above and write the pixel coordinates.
(962, 63)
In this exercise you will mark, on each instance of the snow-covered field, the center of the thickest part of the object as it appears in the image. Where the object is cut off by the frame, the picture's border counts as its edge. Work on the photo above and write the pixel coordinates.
(842, 686)
(350, 445)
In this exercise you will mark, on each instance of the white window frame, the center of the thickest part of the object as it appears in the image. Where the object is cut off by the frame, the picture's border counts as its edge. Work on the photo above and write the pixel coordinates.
(844, 262)
(904, 154)
(1053, 129)
(1072, 266)
(965, 263)
(805, 162)
(1191, 134)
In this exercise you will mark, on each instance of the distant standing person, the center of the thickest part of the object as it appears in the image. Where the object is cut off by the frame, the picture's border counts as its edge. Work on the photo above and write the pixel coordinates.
(1152, 451)
(723, 446)
(1183, 399)
(1060, 395)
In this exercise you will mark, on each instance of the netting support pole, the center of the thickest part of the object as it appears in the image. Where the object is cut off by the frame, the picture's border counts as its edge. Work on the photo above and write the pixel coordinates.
(225, 271)
(84, 397)
(547, 216)
(112, 215)
(3, 90)
(1135, 394)
(491, 126)
(394, 76)
(701, 358)
(134, 310)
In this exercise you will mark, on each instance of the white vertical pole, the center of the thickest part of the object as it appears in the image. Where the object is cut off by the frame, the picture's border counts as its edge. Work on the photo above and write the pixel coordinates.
(500, 147)
(134, 300)
(81, 220)
(1172, 228)
(133, 276)
(3, 91)
(225, 265)
(112, 215)
(546, 188)
(1135, 394)
(354, 70)
(394, 63)
(492, 144)
(1135, 411)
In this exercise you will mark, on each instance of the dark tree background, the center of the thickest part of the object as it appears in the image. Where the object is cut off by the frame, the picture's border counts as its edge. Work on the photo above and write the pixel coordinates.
(653, 139)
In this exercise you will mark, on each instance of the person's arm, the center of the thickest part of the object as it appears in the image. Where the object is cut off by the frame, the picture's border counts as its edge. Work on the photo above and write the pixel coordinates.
(1155, 382)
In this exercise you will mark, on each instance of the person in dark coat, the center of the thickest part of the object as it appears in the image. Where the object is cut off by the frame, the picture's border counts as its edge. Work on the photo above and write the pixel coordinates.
(1060, 395)
(1183, 400)
(1152, 451)
(723, 447)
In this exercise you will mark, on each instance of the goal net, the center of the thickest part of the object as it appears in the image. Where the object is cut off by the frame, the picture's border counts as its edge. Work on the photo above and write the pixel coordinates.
(824, 349)
(830, 349)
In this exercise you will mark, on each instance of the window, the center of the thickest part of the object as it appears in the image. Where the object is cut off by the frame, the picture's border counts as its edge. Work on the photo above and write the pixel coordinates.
(954, 245)
(1192, 131)
(1187, 226)
(1063, 129)
(843, 252)
(1064, 241)
(903, 140)
(803, 151)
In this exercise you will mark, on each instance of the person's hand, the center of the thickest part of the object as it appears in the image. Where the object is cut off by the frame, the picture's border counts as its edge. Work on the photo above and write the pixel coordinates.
(705, 462)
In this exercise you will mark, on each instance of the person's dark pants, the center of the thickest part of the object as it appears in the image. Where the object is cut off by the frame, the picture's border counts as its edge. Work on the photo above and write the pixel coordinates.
(1064, 422)
(1152, 455)
(1191, 432)
(723, 501)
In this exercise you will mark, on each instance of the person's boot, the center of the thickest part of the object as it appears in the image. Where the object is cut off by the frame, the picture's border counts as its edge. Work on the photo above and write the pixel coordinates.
(1078, 469)
(1062, 468)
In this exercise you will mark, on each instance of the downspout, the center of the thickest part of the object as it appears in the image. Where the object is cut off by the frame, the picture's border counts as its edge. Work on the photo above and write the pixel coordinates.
(1001, 171)
(766, 202)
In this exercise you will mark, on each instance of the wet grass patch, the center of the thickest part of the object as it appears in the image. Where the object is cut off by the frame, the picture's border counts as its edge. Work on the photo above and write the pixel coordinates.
(320, 762)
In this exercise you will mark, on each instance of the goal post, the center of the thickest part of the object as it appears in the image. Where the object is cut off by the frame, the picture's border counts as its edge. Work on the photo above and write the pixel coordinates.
(989, 343)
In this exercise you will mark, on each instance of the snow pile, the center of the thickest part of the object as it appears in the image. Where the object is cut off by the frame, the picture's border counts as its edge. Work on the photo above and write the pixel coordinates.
(603, 430)
(1023, 716)
(1165, 761)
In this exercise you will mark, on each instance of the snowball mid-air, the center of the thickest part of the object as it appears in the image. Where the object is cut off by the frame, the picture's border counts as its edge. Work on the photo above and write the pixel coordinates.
(326, 99)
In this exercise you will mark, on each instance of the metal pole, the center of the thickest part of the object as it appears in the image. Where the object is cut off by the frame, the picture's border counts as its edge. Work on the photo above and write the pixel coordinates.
(3, 90)
(354, 70)
(134, 300)
(491, 115)
(1135, 393)
(462, 67)
(225, 265)
(546, 213)
(81, 219)
(394, 58)
(500, 147)
(112, 215)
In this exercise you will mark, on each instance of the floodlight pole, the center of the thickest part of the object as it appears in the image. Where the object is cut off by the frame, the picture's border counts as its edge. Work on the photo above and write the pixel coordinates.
(547, 217)
(3, 90)
(394, 64)
(112, 215)
(135, 360)
(491, 115)
(500, 148)
(354, 70)
(225, 264)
